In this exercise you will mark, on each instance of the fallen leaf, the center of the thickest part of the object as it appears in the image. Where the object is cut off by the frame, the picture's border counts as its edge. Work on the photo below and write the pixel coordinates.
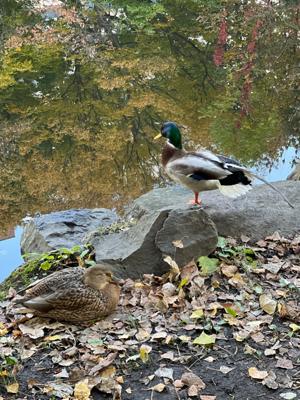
(205, 339)
(209, 359)
(225, 369)
(31, 331)
(82, 390)
(270, 381)
(257, 374)
(178, 243)
(142, 335)
(193, 391)
(12, 388)
(160, 387)
(62, 374)
(103, 363)
(178, 384)
(207, 397)
(189, 379)
(267, 303)
(274, 268)
(199, 313)
(144, 352)
(288, 395)
(228, 270)
(294, 327)
(269, 352)
(169, 355)
(208, 265)
(284, 363)
(164, 373)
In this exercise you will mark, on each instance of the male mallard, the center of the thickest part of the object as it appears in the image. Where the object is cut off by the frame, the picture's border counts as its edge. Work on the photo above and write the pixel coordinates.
(74, 294)
(204, 170)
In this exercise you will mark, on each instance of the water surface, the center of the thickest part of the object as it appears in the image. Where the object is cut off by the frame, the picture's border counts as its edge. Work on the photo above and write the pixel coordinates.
(85, 85)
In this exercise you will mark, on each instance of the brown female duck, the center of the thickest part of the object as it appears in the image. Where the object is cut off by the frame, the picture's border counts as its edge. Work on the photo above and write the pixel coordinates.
(75, 294)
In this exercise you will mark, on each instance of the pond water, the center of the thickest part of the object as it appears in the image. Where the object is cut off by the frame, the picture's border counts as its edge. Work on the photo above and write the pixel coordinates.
(85, 85)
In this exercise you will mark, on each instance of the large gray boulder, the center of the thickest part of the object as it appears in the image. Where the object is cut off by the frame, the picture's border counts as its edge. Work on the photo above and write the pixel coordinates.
(63, 228)
(181, 234)
(259, 213)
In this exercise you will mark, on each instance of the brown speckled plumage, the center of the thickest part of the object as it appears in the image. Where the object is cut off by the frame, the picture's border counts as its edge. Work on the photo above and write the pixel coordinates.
(74, 294)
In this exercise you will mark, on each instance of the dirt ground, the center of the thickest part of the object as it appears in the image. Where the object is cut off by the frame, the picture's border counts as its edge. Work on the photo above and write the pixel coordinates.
(224, 327)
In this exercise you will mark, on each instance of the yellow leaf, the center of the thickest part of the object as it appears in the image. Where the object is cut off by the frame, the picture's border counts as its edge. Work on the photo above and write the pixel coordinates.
(197, 313)
(3, 329)
(144, 352)
(81, 390)
(294, 327)
(205, 339)
(12, 388)
(267, 303)
(3, 373)
(52, 338)
(257, 374)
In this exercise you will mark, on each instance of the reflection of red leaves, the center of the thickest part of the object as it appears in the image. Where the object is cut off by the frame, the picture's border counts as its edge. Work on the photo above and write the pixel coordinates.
(246, 72)
(222, 38)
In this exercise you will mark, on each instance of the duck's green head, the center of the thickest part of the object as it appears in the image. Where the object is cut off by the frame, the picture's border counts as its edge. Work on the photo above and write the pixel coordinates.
(171, 131)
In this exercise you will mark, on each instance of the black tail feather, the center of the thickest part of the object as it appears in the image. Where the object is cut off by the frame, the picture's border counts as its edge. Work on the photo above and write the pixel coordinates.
(235, 178)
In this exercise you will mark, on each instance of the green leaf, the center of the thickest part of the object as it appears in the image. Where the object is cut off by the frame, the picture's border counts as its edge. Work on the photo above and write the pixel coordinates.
(197, 314)
(222, 242)
(45, 265)
(76, 249)
(205, 339)
(249, 252)
(95, 342)
(11, 360)
(182, 283)
(231, 311)
(208, 265)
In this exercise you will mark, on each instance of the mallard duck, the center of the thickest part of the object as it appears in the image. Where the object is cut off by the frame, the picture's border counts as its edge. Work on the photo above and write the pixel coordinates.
(74, 294)
(204, 170)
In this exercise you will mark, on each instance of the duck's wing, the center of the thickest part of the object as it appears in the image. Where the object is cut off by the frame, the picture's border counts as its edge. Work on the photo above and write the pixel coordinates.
(51, 283)
(67, 298)
(201, 165)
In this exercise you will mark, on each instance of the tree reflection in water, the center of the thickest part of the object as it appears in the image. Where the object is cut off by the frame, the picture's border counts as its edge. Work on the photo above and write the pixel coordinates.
(84, 87)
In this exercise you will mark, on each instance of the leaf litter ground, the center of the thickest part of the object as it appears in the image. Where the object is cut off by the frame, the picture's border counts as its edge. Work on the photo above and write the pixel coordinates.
(223, 327)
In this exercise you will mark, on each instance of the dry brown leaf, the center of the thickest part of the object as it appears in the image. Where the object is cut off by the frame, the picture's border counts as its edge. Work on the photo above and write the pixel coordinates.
(290, 311)
(178, 243)
(270, 381)
(178, 384)
(31, 331)
(257, 374)
(189, 379)
(228, 270)
(103, 363)
(284, 363)
(193, 391)
(267, 303)
(12, 388)
(160, 387)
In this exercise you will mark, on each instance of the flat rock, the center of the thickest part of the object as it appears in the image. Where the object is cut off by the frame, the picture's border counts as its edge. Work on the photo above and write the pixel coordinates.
(63, 228)
(258, 214)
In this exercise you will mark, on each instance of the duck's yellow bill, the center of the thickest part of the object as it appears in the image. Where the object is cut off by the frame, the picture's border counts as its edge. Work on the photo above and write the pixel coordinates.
(158, 136)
